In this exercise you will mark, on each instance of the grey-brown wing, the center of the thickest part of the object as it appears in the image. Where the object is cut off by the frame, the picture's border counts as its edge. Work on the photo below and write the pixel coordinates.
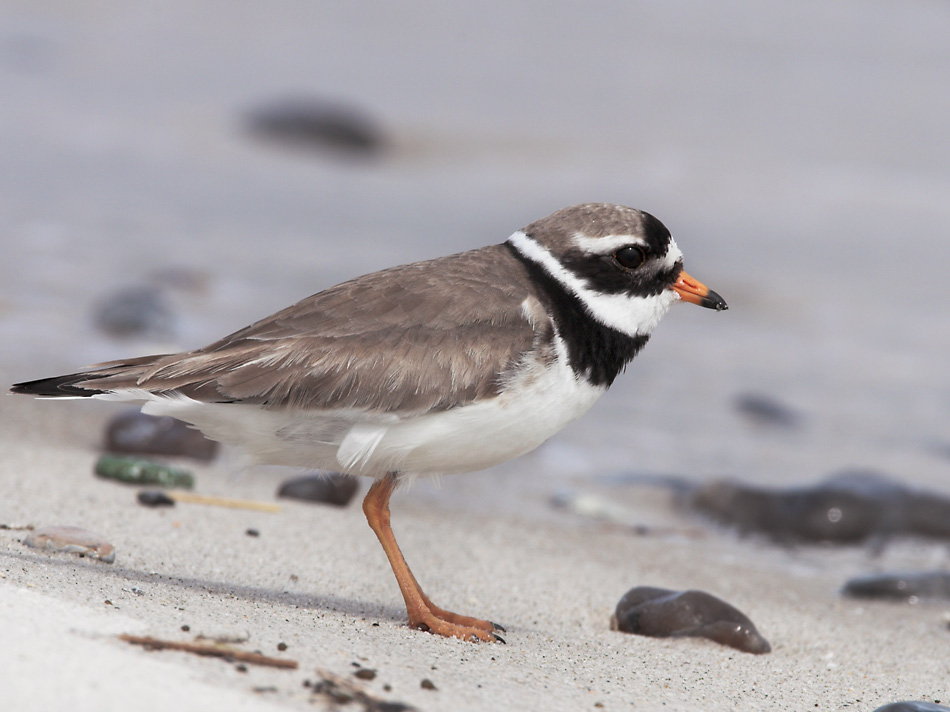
(427, 336)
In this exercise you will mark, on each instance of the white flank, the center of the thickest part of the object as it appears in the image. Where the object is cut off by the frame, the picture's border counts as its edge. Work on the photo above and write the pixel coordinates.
(629, 315)
(538, 402)
(358, 446)
(535, 405)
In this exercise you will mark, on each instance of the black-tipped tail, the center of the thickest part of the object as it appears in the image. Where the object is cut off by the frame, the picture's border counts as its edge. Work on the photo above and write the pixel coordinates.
(59, 386)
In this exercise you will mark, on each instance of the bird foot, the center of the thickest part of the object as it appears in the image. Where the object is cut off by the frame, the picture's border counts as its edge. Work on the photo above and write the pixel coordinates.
(452, 625)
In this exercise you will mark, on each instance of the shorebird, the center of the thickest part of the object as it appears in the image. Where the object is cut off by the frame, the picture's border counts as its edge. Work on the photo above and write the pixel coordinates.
(445, 366)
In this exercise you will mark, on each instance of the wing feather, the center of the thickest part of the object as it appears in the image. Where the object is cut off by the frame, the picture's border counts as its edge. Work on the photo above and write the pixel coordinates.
(427, 336)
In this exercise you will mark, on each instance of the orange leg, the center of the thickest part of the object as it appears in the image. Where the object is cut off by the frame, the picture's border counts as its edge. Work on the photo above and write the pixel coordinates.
(423, 614)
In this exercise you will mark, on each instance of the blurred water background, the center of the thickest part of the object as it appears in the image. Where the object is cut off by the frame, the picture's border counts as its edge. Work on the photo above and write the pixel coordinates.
(799, 152)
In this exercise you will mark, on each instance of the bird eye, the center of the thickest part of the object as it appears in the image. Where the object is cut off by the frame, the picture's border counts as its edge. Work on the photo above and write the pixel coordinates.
(630, 257)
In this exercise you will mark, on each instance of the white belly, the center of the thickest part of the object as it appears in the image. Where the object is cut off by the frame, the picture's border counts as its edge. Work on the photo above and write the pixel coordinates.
(464, 439)
(484, 434)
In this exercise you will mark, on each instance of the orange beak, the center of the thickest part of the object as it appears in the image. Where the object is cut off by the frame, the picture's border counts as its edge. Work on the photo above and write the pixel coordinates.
(695, 292)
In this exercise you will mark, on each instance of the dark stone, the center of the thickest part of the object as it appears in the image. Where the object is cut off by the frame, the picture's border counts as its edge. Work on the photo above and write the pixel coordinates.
(135, 432)
(135, 312)
(314, 124)
(328, 488)
(338, 692)
(900, 587)
(764, 410)
(155, 498)
(849, 507)
(661, 613)
(427, 684)
(365, 674)
(912, 707)
(252, 532)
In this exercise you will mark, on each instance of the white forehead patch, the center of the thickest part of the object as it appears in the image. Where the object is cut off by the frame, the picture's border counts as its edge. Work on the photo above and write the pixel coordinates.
(630, 315)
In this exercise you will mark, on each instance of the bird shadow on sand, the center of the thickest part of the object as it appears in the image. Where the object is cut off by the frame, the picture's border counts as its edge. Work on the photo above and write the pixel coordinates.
(337, 604)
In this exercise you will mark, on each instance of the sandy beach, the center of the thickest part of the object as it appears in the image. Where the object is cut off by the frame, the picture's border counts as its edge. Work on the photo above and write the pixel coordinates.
(799, 156)
(316, 581)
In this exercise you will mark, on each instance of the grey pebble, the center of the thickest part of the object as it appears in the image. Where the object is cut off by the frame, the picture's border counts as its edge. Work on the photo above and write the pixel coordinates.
(71, 540)
(662, 613)
(137, 311)
(328, 488)
(317, 124)
(852, 506)
(900, 586)
(912, 706)
(137, 433)
(154, 498)
(764, 410)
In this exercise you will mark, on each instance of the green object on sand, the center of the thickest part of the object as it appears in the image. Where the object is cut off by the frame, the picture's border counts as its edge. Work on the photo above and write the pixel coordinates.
(137, 471)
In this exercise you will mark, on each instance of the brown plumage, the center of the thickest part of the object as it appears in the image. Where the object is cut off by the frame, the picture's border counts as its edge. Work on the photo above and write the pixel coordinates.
(414, 338)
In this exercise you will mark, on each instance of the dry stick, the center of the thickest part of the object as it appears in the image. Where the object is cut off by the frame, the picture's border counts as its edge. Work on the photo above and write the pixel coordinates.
(211, 650)
(193, 498)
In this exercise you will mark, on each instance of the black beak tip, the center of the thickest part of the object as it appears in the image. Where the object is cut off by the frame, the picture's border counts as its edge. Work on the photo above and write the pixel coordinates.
(714, 301)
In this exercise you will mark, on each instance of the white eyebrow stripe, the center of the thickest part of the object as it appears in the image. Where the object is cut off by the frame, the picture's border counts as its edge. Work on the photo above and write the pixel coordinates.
(630, 315)
(607, 244)
(611, 243)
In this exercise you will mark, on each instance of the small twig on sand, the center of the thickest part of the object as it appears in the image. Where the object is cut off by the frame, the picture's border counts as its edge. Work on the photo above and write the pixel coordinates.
(211, 650)
(193, 498)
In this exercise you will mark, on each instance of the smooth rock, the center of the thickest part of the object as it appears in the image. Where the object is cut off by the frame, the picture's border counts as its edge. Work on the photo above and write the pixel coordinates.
(154, 498)
(764, 410)
(849, 507)
(662, 613)
(135, 432)
(328, 488)
(71, 540)
(900, 587)
(138, 311)
(912, 706)
(321, 125)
